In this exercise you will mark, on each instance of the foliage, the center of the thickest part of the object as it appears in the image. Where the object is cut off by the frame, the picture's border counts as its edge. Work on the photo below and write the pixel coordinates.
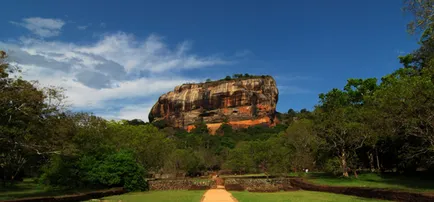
(303, 144)
(117, 169)
(183, 160)
(27, 117)
(61, 172)
(111, 170)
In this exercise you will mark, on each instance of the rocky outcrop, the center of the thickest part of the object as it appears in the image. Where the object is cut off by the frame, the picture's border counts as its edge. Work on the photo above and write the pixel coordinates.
(240, 102)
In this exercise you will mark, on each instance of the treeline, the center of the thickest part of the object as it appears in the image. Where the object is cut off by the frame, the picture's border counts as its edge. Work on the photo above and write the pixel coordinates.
(239, 76)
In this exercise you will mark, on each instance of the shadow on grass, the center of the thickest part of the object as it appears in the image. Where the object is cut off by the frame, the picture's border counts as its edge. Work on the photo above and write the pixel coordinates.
(420, 182)
(29, 188)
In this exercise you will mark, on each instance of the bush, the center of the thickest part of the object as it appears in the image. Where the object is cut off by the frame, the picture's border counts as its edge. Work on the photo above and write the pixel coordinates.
(333, 166)
(118, 169)
(114, 170)
(61, 172)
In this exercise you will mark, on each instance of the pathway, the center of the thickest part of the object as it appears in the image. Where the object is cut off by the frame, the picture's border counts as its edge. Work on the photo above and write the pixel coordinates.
(218, 195)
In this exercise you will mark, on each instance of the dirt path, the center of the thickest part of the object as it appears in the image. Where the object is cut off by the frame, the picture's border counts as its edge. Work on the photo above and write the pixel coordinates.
(218, 195)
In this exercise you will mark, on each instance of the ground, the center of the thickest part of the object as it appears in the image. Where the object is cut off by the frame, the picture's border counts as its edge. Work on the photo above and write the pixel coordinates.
(195, 196)
(218, 195)
(159, 196)
(30, 188)
(390, 181)
(298, 196)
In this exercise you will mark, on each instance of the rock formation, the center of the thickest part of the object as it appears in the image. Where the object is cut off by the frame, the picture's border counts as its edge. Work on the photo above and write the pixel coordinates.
(241, 102)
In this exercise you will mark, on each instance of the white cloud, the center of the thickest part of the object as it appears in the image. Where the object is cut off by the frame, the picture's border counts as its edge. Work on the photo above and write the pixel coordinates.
(292, 90)
(243, 53)
(43, 27)
(82, 27)
(117, 68)
(150, 55)
(135, 112)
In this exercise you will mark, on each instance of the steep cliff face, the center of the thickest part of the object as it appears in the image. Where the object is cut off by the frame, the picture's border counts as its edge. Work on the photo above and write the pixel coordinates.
(240, 102)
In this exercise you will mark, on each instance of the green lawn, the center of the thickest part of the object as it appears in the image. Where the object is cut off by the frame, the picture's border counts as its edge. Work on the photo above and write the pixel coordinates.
(390, 181)
(299, 196)
(29, 188)
(159, 196)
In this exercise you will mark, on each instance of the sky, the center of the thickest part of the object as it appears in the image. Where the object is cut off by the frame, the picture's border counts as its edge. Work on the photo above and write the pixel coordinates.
(115, 58)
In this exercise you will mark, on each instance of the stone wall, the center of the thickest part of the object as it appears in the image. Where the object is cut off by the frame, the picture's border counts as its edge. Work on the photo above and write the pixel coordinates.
(258, 184)
(181, 184)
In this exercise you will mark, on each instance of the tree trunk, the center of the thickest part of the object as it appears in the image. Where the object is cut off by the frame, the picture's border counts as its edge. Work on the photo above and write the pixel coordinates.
(371, 161)
(355, 173)
(344, 164)
(378, 160)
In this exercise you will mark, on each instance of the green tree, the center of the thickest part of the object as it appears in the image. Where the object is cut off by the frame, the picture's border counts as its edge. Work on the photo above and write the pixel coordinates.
(117, 169)
(340, 121)
(302, 142)
(291, 113)
(406, 105)
(25, 116)
(109, 170)
(183, 161)
(422, 11)
(239, 159)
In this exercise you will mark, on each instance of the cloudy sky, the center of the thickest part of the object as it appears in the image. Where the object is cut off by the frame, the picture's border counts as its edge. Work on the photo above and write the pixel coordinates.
(115, 58)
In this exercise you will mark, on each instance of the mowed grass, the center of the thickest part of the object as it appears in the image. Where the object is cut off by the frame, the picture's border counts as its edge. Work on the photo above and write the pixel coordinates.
(29, 188)
(298, 196)
(158, 196)
(373, 180)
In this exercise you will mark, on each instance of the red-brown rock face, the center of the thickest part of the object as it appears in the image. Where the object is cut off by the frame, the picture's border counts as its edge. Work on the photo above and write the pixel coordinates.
(242, 102)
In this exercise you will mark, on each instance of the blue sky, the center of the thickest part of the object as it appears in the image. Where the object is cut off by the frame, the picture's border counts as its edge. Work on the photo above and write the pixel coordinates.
(115, 58)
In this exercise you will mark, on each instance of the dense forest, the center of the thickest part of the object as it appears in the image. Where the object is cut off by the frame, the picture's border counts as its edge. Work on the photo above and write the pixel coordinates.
(368, 125)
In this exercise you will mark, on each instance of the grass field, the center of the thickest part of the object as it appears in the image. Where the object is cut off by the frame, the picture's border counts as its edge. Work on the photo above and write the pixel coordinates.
(390, 181)
(29, 188)
(159, 196)
(299, 196)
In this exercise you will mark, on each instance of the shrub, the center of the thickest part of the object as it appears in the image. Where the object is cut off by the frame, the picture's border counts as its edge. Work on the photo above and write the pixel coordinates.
(114, 170)
(118, 169)
(333, 166)
(61, 171)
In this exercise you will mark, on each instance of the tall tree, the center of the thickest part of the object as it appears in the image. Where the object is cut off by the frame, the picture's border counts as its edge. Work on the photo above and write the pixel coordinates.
(26, 114)
(340, 121)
